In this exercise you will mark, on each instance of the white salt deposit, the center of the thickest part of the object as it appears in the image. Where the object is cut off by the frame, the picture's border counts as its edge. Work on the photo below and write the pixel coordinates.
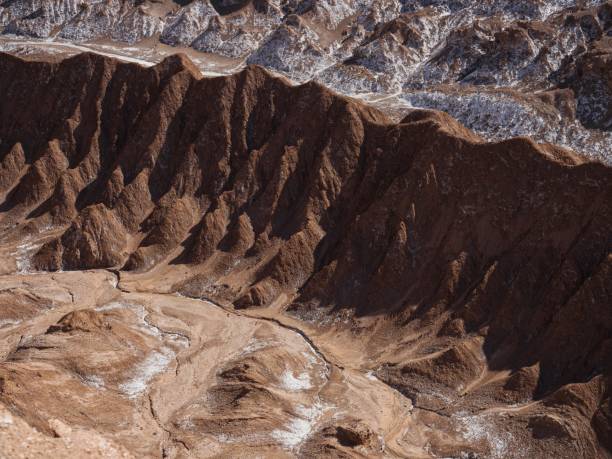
(9, 323)
(94, 381)
(476, 428)
(6, 419)
(300, 427)
(255, 345)
(295, 383)
(151, 366)
(113, 281)
(154, 363)
(23, 255)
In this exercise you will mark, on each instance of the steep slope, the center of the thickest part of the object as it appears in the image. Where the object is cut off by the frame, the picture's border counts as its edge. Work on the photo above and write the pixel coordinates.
(468, 274)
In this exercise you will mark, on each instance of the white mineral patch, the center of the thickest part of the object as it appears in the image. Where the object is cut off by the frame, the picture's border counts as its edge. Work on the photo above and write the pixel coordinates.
(154, 364)
(23, 255)
(94, 381)
(6, 419)
(300, 427)
(255, 345)
(9, 323)
(113, 281)
(475, 428)
(295, 383)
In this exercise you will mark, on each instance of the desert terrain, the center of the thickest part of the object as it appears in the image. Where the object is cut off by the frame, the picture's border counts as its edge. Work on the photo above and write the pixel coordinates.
(306, 229)
(238, 266)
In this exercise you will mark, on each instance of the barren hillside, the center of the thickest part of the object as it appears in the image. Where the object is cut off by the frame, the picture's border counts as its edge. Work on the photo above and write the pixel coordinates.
(236, 266)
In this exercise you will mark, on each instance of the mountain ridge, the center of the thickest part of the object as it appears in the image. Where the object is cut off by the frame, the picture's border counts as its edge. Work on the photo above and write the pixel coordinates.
(460, 258)
(537, 67)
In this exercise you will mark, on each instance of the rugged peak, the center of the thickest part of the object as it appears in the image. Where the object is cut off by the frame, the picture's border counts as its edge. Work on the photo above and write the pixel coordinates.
(176, 63)
(257, 73)
(443, 121)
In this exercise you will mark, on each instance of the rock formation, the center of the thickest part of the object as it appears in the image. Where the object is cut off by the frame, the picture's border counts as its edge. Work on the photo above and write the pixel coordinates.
(473, 277)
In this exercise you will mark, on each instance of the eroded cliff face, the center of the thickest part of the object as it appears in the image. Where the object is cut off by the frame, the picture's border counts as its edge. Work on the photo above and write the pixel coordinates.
(466, 274)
